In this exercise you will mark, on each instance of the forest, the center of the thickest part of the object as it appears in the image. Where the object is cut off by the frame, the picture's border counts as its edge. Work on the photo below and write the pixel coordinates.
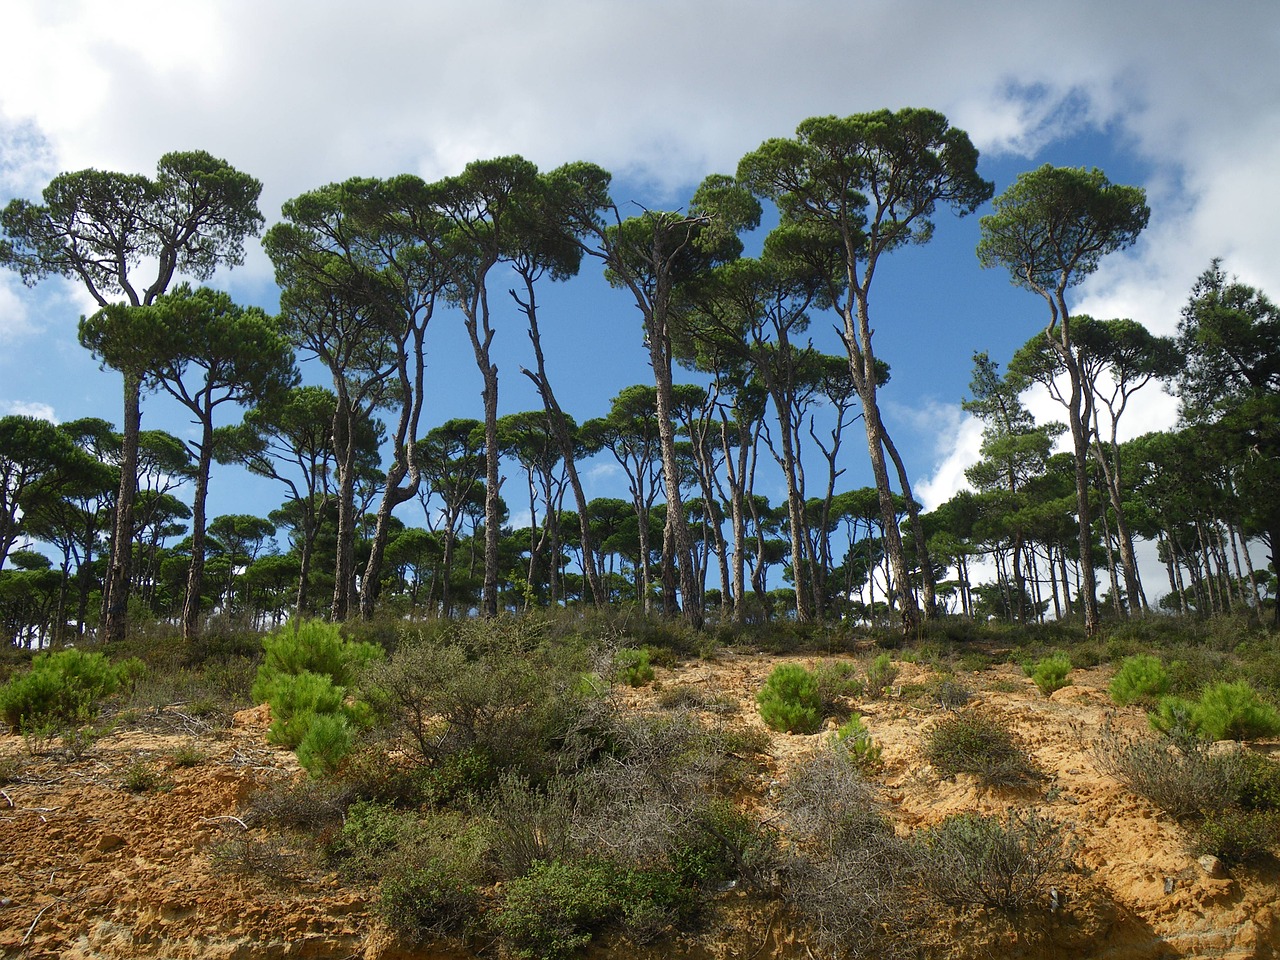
(103, 525)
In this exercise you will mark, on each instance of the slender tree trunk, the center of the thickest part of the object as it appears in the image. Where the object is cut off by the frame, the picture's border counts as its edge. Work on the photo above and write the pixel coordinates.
(928, 583)
(115, 600)
(195, 572)
(344, 560)
(660, 358)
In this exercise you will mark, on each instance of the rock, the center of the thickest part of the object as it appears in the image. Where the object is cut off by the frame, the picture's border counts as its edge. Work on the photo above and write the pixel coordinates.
(1212, 866)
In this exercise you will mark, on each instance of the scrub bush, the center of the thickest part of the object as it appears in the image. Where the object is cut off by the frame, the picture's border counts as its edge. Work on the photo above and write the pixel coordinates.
(632, 667)
(988, 861)
(1050, 674)
(1140, 677)
(790, 701)
(62, 687)
(969, 743)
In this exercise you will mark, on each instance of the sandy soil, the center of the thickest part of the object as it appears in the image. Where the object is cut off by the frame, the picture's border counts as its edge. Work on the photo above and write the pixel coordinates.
(90, 870)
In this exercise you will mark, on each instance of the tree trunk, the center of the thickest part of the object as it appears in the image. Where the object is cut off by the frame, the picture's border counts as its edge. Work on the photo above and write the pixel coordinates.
(195, 572)
(115, 599)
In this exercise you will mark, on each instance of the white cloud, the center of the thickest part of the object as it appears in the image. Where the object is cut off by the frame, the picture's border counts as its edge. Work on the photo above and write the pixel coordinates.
(15, 320)
(23, 408)
(960, 445)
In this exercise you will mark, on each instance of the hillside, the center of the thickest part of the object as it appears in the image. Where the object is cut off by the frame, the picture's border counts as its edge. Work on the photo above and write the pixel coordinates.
(177, 867)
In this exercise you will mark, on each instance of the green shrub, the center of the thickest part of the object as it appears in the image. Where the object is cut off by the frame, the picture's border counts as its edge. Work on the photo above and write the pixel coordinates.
(296, 700)
(1233, 711)
(969, 743)
(325, 744)
(1050, 674)
(789, 700)
(429, 899)
(1140, 677)
(1236, 836)
(311, 646)
(632, 667)
(62, 687)
(556, 908)
(856, 738)
(838, 680)
(880, 675)
(1006, 863)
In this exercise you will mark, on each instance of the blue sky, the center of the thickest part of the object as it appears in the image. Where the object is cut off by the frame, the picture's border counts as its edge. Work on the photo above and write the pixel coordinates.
(1178, 97)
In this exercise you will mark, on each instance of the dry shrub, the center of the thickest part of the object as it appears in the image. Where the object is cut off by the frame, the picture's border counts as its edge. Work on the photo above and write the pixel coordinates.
(990, 861)
(972, 743)
(846, 872)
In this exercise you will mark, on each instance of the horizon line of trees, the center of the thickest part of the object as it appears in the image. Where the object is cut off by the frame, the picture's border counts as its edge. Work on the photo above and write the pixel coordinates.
(364, 267)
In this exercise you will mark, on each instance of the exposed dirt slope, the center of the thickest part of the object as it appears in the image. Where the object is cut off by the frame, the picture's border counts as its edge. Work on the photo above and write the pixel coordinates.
(89, 869)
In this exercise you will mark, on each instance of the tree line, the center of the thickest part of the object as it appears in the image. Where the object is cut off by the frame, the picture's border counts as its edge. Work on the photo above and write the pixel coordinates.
(366, 265)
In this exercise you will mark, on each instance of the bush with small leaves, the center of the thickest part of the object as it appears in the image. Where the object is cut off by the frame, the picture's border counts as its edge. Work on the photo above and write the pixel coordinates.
(838, 681)
(557, 907)
(880, 675)
(1050, 674)
(632, 667)
(988, 861)
(63, 687)
(971, 743)
(1234, 711)
(1140, 677)
(1236, 836)
(790, 701)
(854, 736)
(428, 899)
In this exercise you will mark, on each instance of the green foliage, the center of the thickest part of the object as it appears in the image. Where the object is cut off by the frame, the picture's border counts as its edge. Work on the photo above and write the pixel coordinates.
(838, 681)
(1235, 835)
(854, 736)
(970, 743)
(311, 646)
(1233, 711)
(881, 674)
(1225, 711)
(62, 687)
(632, 667)
(557, 907)
(1006, 863)
(325, 744)
(790, 701)
(1141, 676)
(1050, 674)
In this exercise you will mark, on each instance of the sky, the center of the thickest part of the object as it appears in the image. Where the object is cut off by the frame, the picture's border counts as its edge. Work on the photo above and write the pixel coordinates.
(1179, 97)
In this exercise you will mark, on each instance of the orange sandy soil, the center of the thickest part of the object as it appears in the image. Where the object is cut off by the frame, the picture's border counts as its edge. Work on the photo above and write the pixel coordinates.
(89, 869)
